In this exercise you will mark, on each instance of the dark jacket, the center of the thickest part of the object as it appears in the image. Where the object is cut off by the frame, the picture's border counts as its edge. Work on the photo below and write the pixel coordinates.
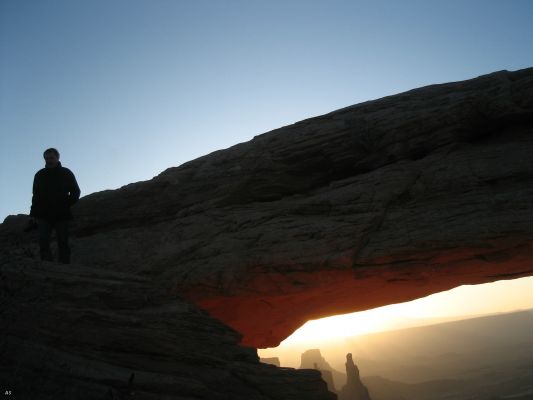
(55, 190)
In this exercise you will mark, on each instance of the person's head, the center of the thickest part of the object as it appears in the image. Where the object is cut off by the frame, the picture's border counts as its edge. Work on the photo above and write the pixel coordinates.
(51, 157)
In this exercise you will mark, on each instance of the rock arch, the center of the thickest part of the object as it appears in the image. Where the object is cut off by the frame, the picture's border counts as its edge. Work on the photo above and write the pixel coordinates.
(372, 204)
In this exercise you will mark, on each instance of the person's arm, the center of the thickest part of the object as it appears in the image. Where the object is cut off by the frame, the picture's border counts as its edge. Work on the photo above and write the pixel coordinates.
(74, 189)
(34, 197)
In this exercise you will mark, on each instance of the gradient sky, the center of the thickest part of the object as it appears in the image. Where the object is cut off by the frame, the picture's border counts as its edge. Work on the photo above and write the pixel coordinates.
(127, 88)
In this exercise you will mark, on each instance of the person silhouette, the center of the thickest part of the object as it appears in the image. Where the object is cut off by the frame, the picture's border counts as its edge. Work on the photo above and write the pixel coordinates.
(55, 190)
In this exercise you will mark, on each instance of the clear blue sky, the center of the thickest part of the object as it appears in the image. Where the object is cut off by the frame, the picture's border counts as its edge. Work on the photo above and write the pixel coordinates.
(126, 88)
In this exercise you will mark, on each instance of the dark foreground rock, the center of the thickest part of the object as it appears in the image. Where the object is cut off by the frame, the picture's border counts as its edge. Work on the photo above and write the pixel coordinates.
(79, 332)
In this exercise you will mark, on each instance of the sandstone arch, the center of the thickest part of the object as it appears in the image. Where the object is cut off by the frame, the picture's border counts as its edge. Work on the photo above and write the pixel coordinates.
(376, 203)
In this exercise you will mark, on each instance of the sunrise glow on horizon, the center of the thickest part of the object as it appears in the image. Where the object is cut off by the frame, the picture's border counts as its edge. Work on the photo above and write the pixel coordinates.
(463, 301)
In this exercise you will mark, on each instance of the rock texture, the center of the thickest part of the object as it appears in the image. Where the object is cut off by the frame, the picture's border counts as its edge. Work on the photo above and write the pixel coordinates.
(80, 332)
(372, 204)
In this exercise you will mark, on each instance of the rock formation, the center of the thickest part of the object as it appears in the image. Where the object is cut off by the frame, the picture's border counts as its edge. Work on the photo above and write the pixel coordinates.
(377, 203)
(372, 204)
(81, 332)
(354, 388)
(313, 359)
(327, 376)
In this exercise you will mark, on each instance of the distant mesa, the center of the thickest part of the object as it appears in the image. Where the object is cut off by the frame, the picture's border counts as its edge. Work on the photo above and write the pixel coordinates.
(313, 359)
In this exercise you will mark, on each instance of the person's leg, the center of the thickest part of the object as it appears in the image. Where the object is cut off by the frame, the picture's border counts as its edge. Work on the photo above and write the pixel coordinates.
(62, 242)
(45, 232)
